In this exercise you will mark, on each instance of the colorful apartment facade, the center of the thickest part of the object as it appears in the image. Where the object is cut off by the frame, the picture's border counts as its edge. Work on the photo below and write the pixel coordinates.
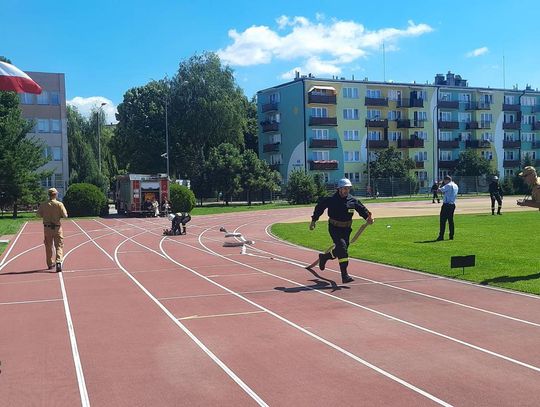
(336, 126)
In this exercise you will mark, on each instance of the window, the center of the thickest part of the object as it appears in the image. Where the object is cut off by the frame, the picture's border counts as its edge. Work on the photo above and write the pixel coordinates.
(422, 135)
(443, 173)
(273, 118)
(320, 134)
(528, 119)
(528, 100)
(421, 94)
(374, 135)
(420, 115)
(43, 125)
(530, 154)
(445, 96)
(58, 180)
(320, 155)
(373, 114)
(26, 98)
(274, 138)
(319, 112)
(47, 182)
(349, 135)
(445, 155)
(421, 175)
(350, 114)
(350, 93)
(509, 155)
(487, 137)
(275, 159)
(488, 155)
(373, 156)
(394, 115)
(509, 136)
(446, 136)
(509, 117)
(353, 176)
(351, 156)
(43, 98)
(55, 98)
(528, 137)
(324, 177)
(420, 156)
(55, 126)
(465, 97)
(486, 98)
(464, 117)
(508, 172)
(486, 117)
(373, 93)
(394, 94)
(445, 116)
(273, 98)
(509, 99)
(465, 136)
(394, 135)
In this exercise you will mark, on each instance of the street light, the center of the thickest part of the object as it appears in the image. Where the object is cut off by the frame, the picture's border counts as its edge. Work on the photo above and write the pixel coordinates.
(99, 115)
(167, 134)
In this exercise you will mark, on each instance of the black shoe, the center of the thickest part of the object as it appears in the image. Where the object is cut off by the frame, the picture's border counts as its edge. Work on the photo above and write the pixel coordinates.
(58, 267)
(322, 261)
(439, 239)
(50, 267)
(451, 238)
(346, 279)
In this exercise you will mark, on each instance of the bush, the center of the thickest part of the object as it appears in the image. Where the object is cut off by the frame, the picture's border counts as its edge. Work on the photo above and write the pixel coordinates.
(85, 200)
(301, 188)
(182, 198)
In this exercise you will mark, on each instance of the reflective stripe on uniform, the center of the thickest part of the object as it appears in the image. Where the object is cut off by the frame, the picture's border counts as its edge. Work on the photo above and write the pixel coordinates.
(343, 260)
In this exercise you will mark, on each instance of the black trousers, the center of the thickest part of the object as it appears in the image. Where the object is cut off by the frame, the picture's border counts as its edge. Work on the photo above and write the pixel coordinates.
(495, 197)
(447, 214)
(340, 237)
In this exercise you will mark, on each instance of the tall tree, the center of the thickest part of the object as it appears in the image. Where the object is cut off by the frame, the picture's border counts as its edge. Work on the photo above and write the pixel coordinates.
(224, 168)
(472, 164)
(251, 137)
(390, 164)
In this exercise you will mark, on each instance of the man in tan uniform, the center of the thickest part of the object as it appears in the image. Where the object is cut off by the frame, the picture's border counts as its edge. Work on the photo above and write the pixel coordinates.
(52, 211)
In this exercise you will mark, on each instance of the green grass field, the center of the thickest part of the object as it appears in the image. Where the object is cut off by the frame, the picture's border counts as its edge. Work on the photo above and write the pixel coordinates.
(10, 226)
(506, 247)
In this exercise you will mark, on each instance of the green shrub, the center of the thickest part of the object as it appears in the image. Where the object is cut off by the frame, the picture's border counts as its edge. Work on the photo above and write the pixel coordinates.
(182, 198)
(85, 200)
(301, 188)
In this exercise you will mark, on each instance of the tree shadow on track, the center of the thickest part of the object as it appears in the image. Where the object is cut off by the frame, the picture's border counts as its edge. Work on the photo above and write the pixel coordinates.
(27, 272)
(509, 279)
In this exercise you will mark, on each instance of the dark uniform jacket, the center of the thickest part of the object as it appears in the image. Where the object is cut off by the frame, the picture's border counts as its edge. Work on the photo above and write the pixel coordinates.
(340, 209)
(495, 188)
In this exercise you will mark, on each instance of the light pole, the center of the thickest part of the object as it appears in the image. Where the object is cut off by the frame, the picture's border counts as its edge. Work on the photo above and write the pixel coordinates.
(99, 115)
(167, 134)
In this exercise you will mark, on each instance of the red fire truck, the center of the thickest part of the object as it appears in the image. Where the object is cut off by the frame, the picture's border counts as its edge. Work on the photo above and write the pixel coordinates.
(136, 192)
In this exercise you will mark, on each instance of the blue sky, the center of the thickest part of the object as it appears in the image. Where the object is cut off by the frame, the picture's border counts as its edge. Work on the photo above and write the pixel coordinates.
(106, 47)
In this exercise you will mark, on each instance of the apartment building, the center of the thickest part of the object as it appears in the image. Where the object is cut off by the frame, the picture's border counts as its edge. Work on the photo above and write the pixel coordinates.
(48, 112)
(336, 126)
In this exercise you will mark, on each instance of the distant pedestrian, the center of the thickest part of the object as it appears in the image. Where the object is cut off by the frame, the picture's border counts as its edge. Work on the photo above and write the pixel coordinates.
(449, 191)
(435, 192)
(496, 194)
(52, 211)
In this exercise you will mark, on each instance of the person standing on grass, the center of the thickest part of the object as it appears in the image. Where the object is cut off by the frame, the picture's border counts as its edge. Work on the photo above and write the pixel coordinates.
(496, 194)
(341, 207)
(449, 190)
(435, 192)
(52, 211)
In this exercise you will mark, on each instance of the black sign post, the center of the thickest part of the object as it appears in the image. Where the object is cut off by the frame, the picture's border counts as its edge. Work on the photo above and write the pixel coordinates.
(462, 261)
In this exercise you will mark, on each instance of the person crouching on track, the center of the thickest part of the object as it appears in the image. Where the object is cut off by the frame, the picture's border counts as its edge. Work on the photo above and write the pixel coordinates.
(179, 220)
(341, 207)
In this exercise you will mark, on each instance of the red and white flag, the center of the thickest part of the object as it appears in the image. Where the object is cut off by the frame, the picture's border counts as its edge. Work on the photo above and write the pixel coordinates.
(13, 79)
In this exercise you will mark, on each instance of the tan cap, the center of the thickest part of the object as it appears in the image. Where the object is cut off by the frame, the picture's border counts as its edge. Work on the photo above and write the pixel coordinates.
(528, 170)
(52, 191)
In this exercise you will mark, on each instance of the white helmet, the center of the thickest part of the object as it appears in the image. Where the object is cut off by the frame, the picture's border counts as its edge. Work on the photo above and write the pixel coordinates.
(171, 216)
(495, 178)
(344, 182)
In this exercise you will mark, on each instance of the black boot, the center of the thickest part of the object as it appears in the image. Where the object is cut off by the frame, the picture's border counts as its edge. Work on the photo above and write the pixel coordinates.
(499, 211)
(58, 267)
(323, 258)
(493, 211)
(345, 277)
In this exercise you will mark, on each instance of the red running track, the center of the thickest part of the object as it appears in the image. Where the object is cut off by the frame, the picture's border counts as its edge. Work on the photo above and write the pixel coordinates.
(139, 319)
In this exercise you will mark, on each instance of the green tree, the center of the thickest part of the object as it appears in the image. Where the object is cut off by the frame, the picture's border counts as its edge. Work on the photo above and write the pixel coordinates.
(271, 181)
(20, 156)
(182, 198)
(470, 163)
(252, 177)
(224, 168)
(390, 164)
(251, 137)
(301, 188)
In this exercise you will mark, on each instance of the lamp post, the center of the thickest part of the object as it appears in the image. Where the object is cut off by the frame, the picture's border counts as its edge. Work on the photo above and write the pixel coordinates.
(167, 134)
(99, 115)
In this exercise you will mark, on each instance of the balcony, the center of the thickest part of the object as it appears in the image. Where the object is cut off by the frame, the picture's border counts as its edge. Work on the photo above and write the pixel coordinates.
(404, 102)
(403, 123)
(512, 126)
(418, 164)
(418, 124)
(535, 144)
(447, 125)
(448, 164)
(322, 99)
(484, 125)
(536, 126)
(274, 167)
(322, 143)
(376, 101)
(511, 163)
(477, 144)
(377, 123)
(322, 121)
(472, 125)
(269, 107)
(377, 143)
(269, 126)
(271, 147)
(448, 104)
(514, 107)
(323, 165)
(411, 143)
(511, 144)
(448, 144)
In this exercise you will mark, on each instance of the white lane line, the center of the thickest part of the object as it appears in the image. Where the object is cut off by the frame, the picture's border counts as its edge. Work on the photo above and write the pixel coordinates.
(30, 301)
(6, 254)
(413, 325)
(294, 325)
(233, 275)
(181, 297)
(199, 343)
(221, 315)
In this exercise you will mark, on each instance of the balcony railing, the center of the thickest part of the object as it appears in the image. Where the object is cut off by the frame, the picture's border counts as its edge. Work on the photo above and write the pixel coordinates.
(323, 165)
(514, 107)
(448, 144)
(377, 123)
(377, 143)
(511, 144)
(411, 143)
(322, 99)
(269, 126)
(322, 121)
(269, 107)
(271, 147)
(512, 126)
(477, 106)
(511, 163)
(376, 102)
(484, 125)
(477, 144)
(536, 126)
(447, 164)
(535, 144)
(418, 124)
(447, 125)
(322, 143)
(418, 164)
(405, 102)
(472, 125)
(448, 104)
(403, 123)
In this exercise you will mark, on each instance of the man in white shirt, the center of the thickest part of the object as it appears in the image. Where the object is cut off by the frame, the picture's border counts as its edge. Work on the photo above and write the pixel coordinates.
(449, 191)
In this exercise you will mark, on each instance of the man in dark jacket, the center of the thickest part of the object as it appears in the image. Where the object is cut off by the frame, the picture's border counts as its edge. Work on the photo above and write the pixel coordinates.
(435, 192)
(341, 207)
(496, 194)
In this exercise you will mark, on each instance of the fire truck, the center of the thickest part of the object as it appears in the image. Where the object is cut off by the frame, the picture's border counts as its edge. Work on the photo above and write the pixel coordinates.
(136, 192)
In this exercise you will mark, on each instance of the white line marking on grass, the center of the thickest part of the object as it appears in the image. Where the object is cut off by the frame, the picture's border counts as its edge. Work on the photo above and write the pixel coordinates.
(220, 315)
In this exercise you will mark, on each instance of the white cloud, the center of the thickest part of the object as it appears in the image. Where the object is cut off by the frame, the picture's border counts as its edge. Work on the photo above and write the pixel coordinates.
(315, 66)
(322, 45)
(477, 52)
(86, 106)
